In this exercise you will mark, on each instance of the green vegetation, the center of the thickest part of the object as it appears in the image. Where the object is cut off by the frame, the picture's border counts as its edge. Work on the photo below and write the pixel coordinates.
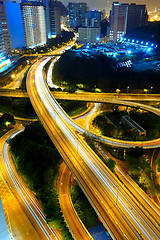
(38, 164)
(52, 43)
(136, 161)
(20, 107)
(23, 84)
(83, 207)
(108, 162)
(6, 123)
(150, 122)
(158, 163)
(73, 108)
(101, 71)
(140, 170)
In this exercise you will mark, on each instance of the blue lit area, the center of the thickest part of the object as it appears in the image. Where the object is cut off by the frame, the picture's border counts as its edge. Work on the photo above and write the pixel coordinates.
(147, 45)
(4, 64)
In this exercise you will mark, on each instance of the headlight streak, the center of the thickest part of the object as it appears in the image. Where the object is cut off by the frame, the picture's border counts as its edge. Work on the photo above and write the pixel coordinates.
(22, 191)
(49, 103)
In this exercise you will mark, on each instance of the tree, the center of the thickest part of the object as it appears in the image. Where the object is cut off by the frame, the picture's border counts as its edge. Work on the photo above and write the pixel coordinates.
(7, 119)
(111, 164)
(158, 163)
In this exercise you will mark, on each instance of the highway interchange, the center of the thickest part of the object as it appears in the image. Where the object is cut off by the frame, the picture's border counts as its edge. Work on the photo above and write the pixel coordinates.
(133, 220)
(130, 216)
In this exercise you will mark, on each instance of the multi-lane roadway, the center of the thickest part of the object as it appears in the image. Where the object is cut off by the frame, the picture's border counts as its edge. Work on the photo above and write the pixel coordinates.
(123, 214)
(24, 211)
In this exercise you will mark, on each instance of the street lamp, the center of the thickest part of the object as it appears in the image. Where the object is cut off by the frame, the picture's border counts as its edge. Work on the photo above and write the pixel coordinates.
(128, 89)
(7, 123)
(145, 90)
(118, 91)
(151, 89)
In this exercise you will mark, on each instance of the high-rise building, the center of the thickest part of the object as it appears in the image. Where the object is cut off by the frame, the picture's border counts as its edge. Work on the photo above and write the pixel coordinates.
(118, 22)
(34, 24)
(92, 19)
(14, 17)
(5, 29)
(125, 18)
(137, 16)
(53, 18)
(76, 13)
(89, 34)
(2, 45)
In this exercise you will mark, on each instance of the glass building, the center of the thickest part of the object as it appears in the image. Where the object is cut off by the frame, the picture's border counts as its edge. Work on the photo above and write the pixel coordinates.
(34, 24)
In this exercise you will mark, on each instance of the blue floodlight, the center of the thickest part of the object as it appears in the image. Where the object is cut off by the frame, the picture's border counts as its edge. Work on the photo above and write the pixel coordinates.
(124, 39)
(128, 40)
(152, 45)
(129, 52)
(147, 43)
(149, 49)
(137, 41)
(97, 38)
(142, 42)
(132, 40)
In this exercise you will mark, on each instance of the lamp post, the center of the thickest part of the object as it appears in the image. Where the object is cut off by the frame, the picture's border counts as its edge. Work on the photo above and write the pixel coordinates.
(127, 89)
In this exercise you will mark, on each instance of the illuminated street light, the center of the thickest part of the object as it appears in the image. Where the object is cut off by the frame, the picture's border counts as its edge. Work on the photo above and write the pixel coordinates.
(13, 76)
(145, 90)
(7, 123)
(118, 91)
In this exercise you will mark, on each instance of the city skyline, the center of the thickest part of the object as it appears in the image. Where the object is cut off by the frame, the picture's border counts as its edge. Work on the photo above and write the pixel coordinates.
(94, 4)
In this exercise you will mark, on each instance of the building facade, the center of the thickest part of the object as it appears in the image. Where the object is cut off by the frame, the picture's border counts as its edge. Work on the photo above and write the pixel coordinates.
(34, 24)
(92, 19)
(53, 18)
(124, 18)
(89, 35)
(14, 17)
(137, 16)
(2, 45)
(4, 27)
(118, 23)
(76, 13)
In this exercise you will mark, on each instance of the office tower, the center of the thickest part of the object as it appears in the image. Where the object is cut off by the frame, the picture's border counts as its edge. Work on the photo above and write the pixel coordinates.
(2, 45)
(34, 24)
(52, 18)
(76, 13)
(14, 17)
(118, 22)
(137, 16)
(124, 18)
(89, 34)
(5, 29)
(92, 19)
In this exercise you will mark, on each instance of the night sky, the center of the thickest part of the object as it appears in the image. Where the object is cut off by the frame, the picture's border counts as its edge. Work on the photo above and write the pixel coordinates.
(100, 4)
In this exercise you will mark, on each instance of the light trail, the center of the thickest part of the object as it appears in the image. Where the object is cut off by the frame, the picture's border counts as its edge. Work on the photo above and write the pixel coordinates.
(91, 168)
(26, 197)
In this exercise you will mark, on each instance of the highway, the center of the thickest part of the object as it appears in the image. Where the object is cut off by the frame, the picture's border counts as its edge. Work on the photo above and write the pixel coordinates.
(87, 96)
(17, 79)
(125, 217)
(25, 213)
(76, 226)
